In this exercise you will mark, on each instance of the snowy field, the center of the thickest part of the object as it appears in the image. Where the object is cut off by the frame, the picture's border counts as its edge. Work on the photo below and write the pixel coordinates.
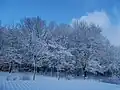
(49, 83)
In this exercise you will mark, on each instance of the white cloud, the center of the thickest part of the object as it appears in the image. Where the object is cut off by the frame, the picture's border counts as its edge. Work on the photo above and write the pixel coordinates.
(101, 18)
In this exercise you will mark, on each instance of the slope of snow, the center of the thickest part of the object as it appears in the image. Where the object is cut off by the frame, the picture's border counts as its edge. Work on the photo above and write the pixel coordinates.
(48, 83)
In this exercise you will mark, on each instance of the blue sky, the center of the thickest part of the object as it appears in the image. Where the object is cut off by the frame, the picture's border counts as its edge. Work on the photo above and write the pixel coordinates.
(57, 10)
(106, 13)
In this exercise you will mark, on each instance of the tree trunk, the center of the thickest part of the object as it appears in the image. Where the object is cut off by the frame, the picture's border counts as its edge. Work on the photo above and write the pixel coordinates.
(34, 73)
(84, 72)
(34, 68)
(10, 67)
(51, 71)
(20, 67)
(58, 74)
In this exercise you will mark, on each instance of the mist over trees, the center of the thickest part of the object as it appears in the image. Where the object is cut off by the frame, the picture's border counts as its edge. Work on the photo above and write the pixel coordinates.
(33, 45)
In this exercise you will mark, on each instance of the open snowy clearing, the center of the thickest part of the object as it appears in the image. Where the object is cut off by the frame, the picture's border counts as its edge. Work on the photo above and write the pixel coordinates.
(48, 83)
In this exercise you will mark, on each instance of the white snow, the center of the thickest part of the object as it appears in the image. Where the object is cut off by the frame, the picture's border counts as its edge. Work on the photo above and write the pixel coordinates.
(49, 83)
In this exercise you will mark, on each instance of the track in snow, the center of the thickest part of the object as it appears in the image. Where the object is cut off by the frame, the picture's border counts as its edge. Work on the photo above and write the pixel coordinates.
(18, 85)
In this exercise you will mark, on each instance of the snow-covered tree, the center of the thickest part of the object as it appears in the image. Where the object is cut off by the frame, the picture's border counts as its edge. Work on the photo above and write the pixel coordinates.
(33, 39)
(79, 48)
(86, 40)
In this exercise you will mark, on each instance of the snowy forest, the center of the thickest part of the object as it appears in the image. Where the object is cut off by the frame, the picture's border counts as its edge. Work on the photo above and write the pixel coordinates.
(79, 48)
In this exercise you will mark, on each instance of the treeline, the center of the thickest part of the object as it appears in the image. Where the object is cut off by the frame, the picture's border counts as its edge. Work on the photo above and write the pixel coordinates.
(75, 49)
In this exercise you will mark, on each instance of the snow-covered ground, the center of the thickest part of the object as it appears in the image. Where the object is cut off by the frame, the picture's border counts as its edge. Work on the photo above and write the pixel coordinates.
(49, 83)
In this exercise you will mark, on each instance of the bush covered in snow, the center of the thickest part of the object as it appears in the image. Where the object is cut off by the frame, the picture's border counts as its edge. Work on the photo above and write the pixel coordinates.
(13, 77)
(25, 77)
